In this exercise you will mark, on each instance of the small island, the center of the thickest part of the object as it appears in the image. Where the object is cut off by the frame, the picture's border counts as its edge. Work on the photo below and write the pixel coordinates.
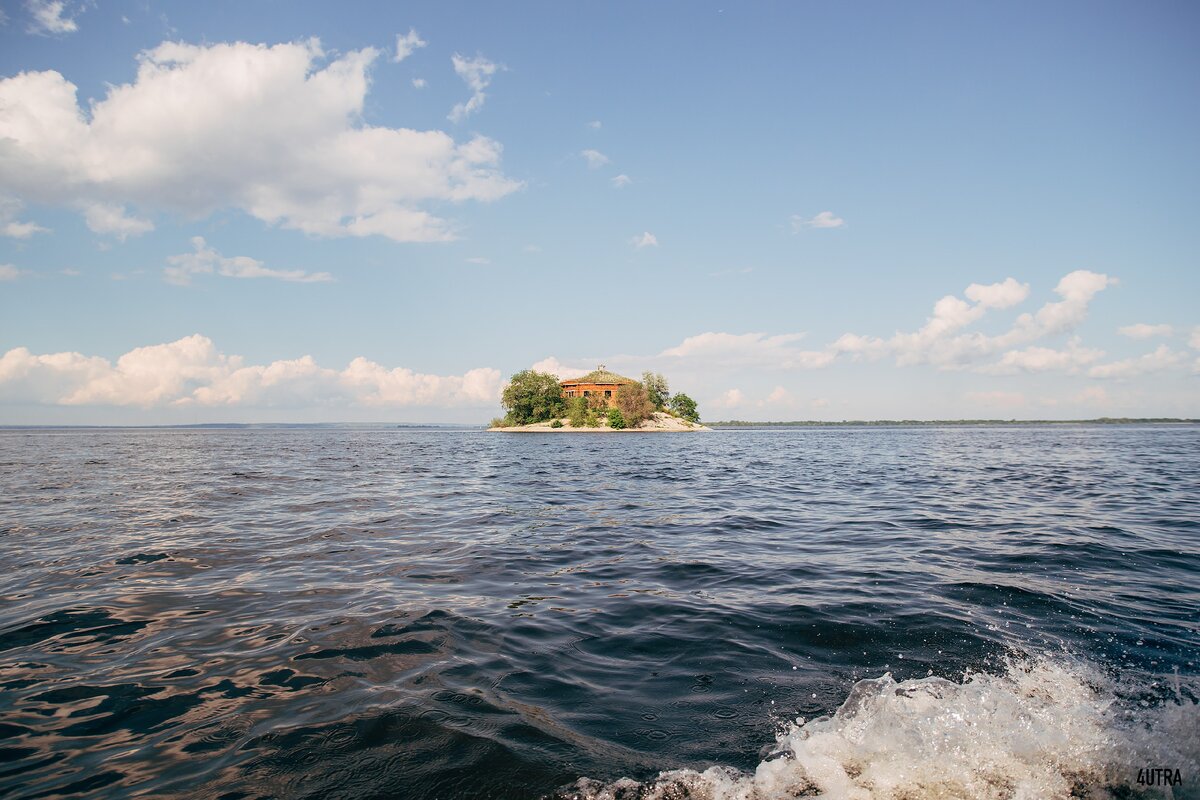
(600, 401)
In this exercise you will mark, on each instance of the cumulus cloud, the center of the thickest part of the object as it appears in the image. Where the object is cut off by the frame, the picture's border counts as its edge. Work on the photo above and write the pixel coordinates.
(10, 226)
(1005, 294)
(480, 260)
(621, 181)
(9, 273)
(407, 44)
(943, 342)
(477, 74)
(1142, 330)
(50, 17)
(1043, 359)
(729, 399)
(555, 367)
(595, 124)
(594, 158)
(826, 219)
(191, 372)
(647, 239)
(779, 396)
(275, 131)
(750, 349)
(419, 83)
(105, 218)
(204, 260)
(1161, 359)
(1194, 339)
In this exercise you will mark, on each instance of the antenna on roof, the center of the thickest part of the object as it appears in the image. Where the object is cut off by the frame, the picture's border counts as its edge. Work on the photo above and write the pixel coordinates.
(600, 367)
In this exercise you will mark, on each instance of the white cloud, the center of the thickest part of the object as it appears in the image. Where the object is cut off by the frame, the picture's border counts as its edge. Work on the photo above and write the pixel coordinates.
(594, 158)
(825, 219)
(595, 124)
(1043, 359)
(1194, 339)
(71, 273)
(647, 239)
(943, 342)
(1161, 359)
(479, 260)
(750, 350)
(532, 248)
(407, 44)
(621, 181)
(111, 219)
(9, 273)
(555, 367)
(275, 131)
(50, 17)
(477, 74)
(204, 260)
(1005, 294)
(419, 83)
(191, 372)
(10, 226)
(779, 396)
(729, 399)
(1142, 330)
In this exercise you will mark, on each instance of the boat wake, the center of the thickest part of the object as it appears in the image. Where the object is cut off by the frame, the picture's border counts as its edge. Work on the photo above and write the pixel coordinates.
(1037, 729)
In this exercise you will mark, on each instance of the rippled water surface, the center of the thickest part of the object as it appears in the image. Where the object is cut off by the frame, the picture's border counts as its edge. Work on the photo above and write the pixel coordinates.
(429, 614)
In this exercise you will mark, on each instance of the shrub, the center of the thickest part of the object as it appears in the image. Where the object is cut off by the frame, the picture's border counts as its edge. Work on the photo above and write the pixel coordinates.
(634, 403)
(656, 389)
(499, 422)
(616, 420)
(556, 424)
(577, 409)
(532, 397)
(591, 419)
(685, 407)
(596, 401)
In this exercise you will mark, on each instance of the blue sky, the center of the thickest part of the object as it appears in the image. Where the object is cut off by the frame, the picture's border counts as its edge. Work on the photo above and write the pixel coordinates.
(256, 211)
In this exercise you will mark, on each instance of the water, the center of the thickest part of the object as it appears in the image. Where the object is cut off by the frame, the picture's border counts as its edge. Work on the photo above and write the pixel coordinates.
(953, 612)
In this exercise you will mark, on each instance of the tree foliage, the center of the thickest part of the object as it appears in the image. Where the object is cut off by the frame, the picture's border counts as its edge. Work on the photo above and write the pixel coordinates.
(577, 409)
(685, 407)
(634, 402)
(656, 389)
(616, 420)
(532, 397)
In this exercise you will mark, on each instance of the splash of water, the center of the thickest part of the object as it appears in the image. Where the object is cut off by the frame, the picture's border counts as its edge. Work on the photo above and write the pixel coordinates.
(1039, 729)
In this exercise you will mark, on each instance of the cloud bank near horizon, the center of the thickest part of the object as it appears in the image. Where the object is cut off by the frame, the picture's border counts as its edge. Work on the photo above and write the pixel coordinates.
(191, 372)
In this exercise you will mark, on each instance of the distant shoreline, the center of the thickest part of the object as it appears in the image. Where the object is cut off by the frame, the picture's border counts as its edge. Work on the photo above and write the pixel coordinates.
(919, 423)
(726, 425)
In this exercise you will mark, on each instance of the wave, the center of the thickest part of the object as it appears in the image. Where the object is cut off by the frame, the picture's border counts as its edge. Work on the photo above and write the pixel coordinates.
(1039, 728)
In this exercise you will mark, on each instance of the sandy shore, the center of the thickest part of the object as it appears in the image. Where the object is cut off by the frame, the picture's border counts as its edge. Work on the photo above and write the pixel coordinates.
(659, 423)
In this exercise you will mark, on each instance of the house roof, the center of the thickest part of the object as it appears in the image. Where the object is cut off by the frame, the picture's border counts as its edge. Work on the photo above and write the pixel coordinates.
(599, 375)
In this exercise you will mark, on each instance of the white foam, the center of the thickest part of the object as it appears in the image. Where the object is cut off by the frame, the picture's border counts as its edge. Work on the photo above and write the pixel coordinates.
(1040, 729)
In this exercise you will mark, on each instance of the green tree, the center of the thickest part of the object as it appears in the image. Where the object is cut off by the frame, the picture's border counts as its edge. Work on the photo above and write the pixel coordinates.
(532, 397)
(577, 409)
(685, 407)
(616, 420)
(635, 404)
(656, 389)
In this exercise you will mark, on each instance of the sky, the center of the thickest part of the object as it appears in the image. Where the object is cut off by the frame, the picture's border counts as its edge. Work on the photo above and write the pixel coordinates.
(315, 212)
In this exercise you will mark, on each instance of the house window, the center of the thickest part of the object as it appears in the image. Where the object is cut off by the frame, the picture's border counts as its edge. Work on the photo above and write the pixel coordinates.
(586, 393)
(607, 393)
